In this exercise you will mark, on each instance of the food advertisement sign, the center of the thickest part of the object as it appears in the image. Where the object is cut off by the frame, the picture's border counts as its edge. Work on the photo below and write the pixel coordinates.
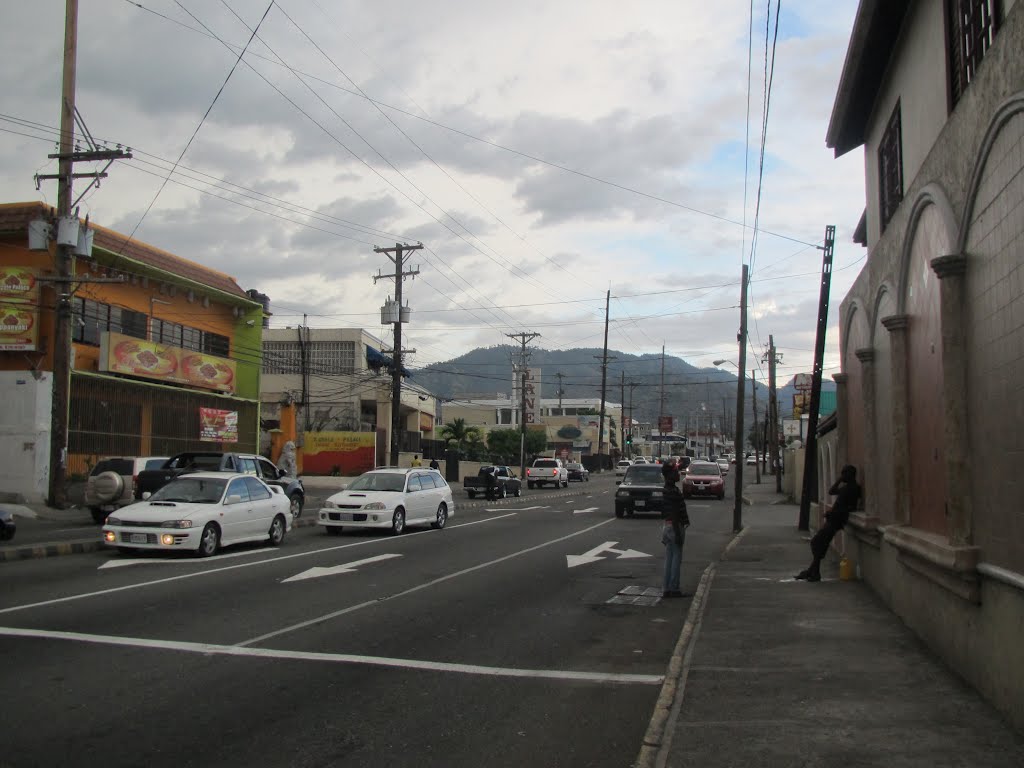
(160, 362)
(19, 313)
(217, 425)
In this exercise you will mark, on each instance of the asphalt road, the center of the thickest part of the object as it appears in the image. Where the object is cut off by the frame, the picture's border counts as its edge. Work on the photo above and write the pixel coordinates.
(492, 642)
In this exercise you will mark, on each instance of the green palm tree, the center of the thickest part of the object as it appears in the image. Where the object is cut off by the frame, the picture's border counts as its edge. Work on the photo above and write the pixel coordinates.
(458, 432)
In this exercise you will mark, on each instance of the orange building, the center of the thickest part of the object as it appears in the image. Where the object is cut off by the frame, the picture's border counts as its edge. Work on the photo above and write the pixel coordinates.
(165, 353)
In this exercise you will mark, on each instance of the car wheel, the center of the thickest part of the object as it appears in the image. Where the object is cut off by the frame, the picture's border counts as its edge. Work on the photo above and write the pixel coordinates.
(721, 497)
(209, 541)
(98, 515)
(619, 510)
(502, 492)
(442, 517)
(530, 485)
(398, 522)
(471, 494)
(333, 530)
(276, 533)
(518, 491)
(295, 502)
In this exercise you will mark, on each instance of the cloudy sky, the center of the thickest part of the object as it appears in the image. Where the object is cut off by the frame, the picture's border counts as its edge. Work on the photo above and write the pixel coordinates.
(543, 153)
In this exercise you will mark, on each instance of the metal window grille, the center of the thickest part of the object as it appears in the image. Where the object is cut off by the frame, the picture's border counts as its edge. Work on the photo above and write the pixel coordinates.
(332, 357)
(972, 29)
(890, 168)
(282, 357)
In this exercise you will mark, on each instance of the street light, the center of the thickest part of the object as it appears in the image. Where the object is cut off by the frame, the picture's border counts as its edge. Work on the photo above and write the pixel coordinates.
(737, 514)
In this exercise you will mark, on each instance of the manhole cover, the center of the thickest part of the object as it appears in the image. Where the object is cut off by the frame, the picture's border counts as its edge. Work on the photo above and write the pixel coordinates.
(637, 595)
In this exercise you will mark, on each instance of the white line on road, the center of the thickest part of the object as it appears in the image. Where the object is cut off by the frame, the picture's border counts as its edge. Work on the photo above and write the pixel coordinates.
(317, 572)
(583, 511)
(342, 658)
(418, 587)
(113, 590)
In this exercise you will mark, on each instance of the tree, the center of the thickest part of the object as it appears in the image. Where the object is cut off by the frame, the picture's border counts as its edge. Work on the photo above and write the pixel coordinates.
(504, 443)
(458, 432)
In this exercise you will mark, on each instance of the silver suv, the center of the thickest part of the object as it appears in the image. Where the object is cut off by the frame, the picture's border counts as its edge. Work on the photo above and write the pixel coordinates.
(111, 484)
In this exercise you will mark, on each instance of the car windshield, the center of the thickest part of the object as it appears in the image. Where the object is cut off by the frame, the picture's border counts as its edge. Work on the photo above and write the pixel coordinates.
(379, 481)
(646, 474)
(199, 490)
(705, 469)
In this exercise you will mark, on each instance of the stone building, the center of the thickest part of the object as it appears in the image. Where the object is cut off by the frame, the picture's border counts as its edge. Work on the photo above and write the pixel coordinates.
(932, 332)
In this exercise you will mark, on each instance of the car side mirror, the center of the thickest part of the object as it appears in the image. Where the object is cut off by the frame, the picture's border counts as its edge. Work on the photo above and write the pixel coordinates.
(233, 499)
(618, 482)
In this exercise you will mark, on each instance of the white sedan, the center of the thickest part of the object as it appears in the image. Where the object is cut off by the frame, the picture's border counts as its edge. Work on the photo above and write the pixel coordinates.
(390, 498)
(621, 467)
(201, 512)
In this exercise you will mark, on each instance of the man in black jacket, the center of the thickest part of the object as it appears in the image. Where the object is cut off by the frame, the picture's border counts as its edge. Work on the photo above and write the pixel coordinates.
(674, 531)
(847, 494)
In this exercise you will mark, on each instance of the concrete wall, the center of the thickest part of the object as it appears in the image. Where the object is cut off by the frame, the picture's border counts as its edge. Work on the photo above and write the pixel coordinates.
(25, 436)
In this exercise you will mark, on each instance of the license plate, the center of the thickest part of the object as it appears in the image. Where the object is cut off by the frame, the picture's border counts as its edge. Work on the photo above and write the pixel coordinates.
(641, 503)
(138, 538)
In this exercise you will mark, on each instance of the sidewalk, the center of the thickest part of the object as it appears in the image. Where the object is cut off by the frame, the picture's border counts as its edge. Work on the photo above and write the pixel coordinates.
(778, 672)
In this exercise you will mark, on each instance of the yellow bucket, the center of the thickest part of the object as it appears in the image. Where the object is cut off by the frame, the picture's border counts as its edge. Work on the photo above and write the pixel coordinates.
(846, 572)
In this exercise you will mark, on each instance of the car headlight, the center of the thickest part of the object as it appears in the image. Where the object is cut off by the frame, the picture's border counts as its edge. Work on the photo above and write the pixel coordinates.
(374, 505)
(113, 520)
(176, 524)
(622, 492)
(330, 504)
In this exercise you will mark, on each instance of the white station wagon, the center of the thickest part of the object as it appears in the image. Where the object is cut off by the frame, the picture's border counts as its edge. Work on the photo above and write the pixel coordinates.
(201, 512)
(390, 498)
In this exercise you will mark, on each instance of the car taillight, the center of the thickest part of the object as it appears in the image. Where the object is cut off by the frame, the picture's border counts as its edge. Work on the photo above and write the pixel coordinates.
(527, 471)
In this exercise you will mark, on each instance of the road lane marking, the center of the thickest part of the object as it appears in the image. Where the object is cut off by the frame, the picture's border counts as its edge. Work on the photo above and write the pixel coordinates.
(517, 509)
(594, 555)
(168, 579)
(121, 562)
(418, 587)
(337, 658)
(583, 511)
(317, 572)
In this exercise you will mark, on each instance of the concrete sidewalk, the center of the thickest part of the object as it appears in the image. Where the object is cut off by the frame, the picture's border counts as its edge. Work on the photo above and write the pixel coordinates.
(770, 671)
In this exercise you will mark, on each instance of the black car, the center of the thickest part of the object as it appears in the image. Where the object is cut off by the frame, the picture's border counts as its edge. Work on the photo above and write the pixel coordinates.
(7, 525)
(578, 472)
(641, 490)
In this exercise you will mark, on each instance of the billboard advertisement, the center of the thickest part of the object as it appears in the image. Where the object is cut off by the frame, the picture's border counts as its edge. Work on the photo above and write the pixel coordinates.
(532, 394)
(161, 362)
(19, 309)
(218, 426)
(343, 453)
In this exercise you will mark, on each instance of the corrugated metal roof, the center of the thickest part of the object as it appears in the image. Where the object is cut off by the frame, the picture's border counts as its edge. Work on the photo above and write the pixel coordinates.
(16, 216)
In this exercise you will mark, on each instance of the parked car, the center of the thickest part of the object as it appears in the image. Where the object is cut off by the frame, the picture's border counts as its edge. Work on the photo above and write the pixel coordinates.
(392, 498)
(547, 472)
(111, 483)
(180, 464)
(505, 482)
(751, 460)
(202, 512)
(703, 478)
(622, 466)
(8, 526)
(577, 471)
(642, 490)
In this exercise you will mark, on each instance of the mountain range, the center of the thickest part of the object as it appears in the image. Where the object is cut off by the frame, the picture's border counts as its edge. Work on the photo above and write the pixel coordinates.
(686, 392)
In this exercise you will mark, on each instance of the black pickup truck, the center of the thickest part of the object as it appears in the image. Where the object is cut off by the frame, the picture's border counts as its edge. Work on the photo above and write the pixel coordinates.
(505, 482)
(149, 480)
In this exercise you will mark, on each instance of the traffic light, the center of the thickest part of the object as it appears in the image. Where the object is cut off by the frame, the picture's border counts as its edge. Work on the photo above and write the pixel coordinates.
(629, 439)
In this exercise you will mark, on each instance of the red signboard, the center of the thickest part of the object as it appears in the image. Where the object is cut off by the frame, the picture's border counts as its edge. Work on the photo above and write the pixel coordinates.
(665, 424)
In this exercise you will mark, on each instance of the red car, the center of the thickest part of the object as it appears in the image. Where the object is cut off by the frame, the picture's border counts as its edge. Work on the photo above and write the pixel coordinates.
(703, 478)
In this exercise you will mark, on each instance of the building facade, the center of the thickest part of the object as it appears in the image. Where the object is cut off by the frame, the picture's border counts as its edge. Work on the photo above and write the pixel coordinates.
(929, 402)
(165, 353)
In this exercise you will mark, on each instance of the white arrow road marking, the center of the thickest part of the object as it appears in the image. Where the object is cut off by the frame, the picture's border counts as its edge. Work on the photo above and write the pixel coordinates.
(582, 511)
(317, 572)
(120, 562)
(517, 509)
(595, 554)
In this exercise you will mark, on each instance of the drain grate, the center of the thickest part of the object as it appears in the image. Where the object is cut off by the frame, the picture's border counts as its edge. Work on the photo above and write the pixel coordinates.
(636, 595)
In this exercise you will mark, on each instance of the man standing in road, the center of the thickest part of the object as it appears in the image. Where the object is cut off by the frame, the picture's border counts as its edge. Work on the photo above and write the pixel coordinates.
(847, 494)
(673, 534)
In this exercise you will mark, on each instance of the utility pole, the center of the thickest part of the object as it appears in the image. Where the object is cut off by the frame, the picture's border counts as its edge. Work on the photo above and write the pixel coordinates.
(757, 458)
(773, 414)
(622, 414)
(604, 382)
(811, 444)
(741, 338)
(524, 338)
(661, 398)
(396, 367)
(561, 391)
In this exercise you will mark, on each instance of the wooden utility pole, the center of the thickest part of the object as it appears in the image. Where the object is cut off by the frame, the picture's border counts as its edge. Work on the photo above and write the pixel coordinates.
(604, 383)
(741, 338)
(396, 364)
(524, 338)
(773, 415)
(757, 426)
(811, 443)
